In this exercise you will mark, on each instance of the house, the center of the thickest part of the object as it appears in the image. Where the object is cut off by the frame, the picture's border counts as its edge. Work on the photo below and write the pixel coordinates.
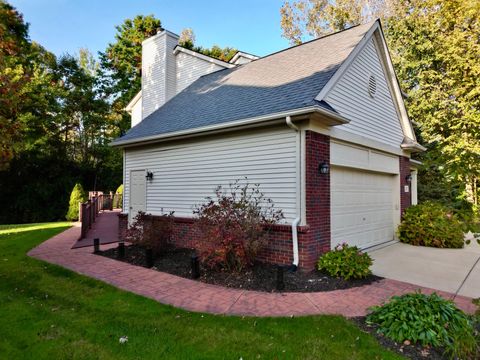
(321, 126)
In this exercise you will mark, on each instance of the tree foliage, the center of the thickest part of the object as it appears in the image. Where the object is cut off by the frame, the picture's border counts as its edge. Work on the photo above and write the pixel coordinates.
(120, 72)
(77, 196)
(58, 114)
(187, 40)
(54, 126)
(314, 18)
(435, 48)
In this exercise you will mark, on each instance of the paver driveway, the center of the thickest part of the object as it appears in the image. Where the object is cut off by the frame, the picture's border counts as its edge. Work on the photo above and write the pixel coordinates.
(453, 270)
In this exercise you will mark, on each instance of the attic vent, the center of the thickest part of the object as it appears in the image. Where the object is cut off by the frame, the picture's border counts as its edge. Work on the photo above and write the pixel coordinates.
(372, 86)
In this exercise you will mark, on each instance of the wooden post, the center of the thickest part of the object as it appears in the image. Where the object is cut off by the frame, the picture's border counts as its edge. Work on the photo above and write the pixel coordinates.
(80, 213)
(90, 213)
(94, 209)
(111, 201)
(83, 216)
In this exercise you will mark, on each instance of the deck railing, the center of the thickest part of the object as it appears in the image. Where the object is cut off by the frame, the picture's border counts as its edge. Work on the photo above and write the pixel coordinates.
(90, 209)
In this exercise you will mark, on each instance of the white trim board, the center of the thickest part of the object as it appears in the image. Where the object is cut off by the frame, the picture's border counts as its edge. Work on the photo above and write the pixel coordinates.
(224, 64)
(376, 33)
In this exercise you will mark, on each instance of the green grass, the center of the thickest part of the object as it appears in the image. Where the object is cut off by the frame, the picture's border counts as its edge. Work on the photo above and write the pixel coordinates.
(47, 312)
(10, 229)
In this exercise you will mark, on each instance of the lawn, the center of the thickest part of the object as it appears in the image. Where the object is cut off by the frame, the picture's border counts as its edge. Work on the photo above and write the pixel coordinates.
(48, 312)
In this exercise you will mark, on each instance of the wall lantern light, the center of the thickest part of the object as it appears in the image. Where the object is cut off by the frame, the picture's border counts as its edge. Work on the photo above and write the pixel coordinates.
(149, 175)
(408, 178)
(324, 168)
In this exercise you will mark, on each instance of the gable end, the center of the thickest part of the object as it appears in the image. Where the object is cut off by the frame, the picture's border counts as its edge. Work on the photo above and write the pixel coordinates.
(366, 91)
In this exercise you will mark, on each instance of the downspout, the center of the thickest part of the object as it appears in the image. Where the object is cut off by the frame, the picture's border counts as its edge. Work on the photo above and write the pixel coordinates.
(295, 222)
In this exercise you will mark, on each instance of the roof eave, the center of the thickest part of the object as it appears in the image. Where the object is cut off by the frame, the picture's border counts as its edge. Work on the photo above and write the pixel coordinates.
(132, 102)
(331, 118)
(413, 147)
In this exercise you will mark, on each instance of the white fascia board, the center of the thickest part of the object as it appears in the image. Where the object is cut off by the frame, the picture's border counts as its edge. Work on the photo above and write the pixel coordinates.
(346, 64)
(132, 102)
(395, 86)
(178, 49)
(376, 32)
(337, 120)
(413, 147)
(415, 163)
(243, 54)
(160, 34)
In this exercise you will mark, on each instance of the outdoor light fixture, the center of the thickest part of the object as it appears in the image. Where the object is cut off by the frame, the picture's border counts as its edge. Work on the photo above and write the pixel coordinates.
(408, 178)
(149, 175)
(324, 168)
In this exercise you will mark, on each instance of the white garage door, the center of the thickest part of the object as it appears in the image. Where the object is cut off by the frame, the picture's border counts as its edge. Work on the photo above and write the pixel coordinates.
(362, 207)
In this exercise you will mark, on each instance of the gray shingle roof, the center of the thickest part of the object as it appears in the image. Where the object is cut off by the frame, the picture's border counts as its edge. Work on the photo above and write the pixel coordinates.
(286, 80)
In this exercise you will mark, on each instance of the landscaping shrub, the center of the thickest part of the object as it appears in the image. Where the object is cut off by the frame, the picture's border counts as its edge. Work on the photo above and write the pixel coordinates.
(232, 226)
(77, 196)
(118, 198)
(431, 224)
(429, 320)
(346, 262)
(151, 232)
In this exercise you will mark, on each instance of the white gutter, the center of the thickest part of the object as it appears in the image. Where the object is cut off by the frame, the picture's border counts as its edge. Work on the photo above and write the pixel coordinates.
(250, 121)
(295, 222)
(295, 243)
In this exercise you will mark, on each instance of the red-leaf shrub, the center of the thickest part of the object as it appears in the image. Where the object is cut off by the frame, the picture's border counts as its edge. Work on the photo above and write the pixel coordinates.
(232, 226)
(151, 232)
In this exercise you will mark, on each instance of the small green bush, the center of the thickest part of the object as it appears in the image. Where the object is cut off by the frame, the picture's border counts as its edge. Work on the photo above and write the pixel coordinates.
(426, 319)
(118, 197)
(77, 196)
(431, 224)
(346, 262)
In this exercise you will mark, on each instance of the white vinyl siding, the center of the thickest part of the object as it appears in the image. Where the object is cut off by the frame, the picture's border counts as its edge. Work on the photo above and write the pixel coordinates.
(190, 68)
(171, 68)
(186, 173)
(373, 117)
(158, 71)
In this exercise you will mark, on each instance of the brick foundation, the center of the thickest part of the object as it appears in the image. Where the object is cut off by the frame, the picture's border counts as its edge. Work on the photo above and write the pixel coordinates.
(313, 239)
(405, 197)
(277, 251)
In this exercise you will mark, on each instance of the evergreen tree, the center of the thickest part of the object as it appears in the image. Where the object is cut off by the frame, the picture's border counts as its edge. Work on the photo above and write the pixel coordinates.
(77, 196)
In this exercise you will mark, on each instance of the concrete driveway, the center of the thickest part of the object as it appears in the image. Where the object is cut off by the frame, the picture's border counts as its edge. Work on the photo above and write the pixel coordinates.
(454, 270)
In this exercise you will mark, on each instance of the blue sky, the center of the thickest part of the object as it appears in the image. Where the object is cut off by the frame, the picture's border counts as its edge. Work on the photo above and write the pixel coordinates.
(67, 25)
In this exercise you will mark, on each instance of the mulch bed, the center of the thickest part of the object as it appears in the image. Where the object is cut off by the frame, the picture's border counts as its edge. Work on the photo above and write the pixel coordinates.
(410, 351)
(262, 277)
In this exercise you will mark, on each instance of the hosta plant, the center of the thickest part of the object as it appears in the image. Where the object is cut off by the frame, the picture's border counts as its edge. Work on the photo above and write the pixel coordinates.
(345, 261)
(429, 320)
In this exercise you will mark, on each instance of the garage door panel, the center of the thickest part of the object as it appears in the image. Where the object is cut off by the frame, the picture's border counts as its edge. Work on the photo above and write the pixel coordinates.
(362, 207)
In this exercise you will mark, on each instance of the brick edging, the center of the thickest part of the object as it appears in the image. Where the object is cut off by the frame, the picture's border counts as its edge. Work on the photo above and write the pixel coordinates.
(196, 296)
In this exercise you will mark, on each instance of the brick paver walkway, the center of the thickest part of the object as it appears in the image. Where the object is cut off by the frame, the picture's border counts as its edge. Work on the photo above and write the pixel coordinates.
(105, 228)
(196, 296)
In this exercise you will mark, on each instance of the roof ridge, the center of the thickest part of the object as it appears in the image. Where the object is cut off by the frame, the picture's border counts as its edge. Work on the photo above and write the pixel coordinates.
(289, 48)
(317, 39)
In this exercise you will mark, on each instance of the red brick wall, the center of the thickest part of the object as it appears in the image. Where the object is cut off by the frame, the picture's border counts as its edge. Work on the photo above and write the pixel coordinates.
(313, 239)
(122, 226)
(278, 250)
(405, 197)
(317, 189)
